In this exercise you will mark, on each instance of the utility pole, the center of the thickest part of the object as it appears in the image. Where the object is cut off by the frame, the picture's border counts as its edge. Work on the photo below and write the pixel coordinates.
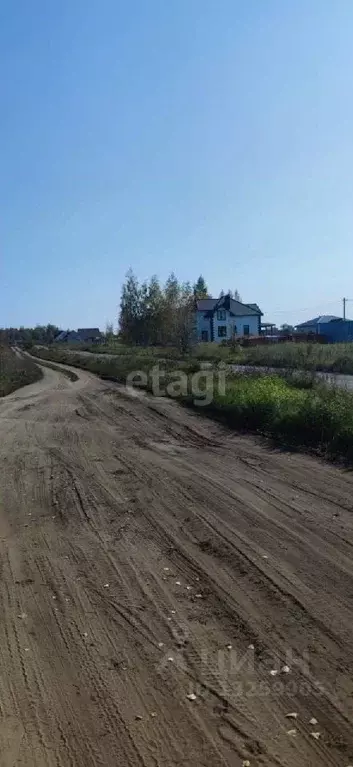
(344, 308)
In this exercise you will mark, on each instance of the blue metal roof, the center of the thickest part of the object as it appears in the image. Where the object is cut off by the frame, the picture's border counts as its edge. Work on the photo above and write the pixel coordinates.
(319, 320)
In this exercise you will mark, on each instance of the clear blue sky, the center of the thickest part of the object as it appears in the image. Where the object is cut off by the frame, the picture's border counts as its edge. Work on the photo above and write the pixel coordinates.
(211, 136)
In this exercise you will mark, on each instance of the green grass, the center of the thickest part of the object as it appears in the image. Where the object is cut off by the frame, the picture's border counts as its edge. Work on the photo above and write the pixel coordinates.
(331, 358)
(315, 417)
(334, 358)
(16, 371)
(291, 409)
(204, 351)
(115, 367)
(121, 350)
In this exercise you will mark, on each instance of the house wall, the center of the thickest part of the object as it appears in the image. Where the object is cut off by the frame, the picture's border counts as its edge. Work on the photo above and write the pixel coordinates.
(203, 323)
(253, 321)
(337, 332)
(230, 321)
(309, 329)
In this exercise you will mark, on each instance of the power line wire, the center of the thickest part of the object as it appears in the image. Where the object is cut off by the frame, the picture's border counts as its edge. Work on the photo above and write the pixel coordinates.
(307, 308)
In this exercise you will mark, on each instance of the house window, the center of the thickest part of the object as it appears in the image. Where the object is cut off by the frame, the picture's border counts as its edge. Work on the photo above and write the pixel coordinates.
(235, 331)
(222, 331)
(246, 330)
(221, 314)
(204, 335)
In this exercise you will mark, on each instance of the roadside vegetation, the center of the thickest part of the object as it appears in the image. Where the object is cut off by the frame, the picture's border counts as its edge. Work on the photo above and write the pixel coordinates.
(292, 412)
(291, 409)
(115, 367)
(329, 358)
(16, 371)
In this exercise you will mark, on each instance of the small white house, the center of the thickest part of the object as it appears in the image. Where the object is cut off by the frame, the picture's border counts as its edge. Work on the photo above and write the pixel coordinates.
(219, 319)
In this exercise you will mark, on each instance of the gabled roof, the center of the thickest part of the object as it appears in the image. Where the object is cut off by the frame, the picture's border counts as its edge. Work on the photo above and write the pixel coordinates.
(318, 320)
(66, 335)
(82, 334)
(86, 333)
(206, 304)
(237, 308)
(256, 307)
(61, 336)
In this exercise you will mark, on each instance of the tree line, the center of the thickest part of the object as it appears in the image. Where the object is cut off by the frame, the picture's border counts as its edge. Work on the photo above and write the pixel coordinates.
(154, 314)
(150, 314)
(41, 334)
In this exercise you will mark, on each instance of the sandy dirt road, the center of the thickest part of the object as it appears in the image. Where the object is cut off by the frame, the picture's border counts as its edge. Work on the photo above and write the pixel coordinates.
(147, 555)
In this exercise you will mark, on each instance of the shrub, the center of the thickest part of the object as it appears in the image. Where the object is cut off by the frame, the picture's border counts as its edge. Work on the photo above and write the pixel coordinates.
(16, 371)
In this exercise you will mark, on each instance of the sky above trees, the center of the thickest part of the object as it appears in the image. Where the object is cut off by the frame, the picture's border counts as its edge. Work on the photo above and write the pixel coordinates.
(205, 137)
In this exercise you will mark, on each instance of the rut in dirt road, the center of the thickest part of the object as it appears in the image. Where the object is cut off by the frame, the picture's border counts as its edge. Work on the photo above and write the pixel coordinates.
(170, 592)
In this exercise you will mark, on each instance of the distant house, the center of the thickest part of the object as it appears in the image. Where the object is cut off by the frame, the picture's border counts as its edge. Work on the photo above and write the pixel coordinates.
(89, 335)
(333, 329)
(80, 336)
(62, 336)
(219, 319)
(313, 326)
